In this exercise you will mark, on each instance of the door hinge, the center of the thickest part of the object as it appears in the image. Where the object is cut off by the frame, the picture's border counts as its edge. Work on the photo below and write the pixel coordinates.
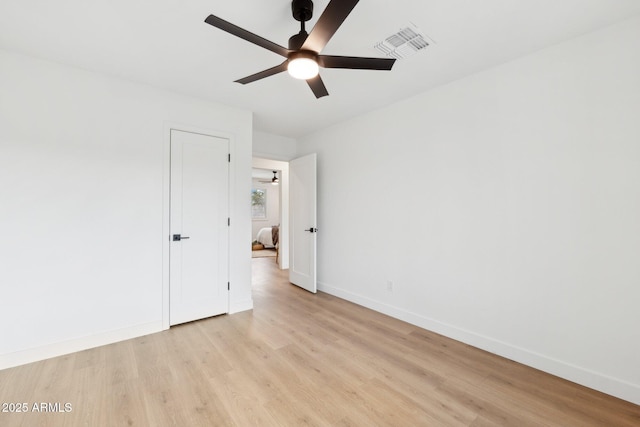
(228, 286)
(229, 158)
(228, 221)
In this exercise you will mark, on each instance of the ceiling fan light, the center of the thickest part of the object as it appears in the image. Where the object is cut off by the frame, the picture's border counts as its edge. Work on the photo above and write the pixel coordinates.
(303, 68)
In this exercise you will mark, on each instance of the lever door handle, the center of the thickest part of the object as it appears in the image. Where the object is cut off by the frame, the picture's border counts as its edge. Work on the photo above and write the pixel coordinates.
(312, 230)
(178, 237)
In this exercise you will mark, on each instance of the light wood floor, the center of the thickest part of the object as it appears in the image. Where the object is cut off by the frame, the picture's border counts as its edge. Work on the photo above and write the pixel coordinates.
(300, 359)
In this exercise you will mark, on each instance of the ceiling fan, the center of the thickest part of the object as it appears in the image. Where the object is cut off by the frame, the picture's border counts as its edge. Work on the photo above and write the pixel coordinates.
(274, 180)
(303, 57)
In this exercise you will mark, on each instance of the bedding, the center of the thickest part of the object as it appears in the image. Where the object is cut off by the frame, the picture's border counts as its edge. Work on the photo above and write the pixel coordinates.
(268, 236)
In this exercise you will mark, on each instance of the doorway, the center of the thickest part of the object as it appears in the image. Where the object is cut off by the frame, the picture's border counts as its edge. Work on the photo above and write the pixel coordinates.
(303, 236)
(282, 172)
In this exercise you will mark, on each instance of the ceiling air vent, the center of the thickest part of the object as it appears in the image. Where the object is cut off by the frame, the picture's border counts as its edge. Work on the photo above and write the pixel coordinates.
(405, 43)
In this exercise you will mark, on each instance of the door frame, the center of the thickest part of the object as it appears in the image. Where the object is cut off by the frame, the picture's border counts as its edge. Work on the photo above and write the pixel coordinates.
(283, 167)
(166, 203)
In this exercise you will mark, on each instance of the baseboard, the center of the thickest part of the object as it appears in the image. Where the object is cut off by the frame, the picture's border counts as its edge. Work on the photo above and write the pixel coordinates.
(23, 357)
(597, 381)
(239, 306)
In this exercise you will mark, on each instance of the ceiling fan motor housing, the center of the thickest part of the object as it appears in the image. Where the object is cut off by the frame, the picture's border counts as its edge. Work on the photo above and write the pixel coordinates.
(302, 10)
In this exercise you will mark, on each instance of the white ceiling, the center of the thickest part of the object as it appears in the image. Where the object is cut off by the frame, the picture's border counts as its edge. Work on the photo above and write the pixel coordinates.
(165, 43)
(264, 174)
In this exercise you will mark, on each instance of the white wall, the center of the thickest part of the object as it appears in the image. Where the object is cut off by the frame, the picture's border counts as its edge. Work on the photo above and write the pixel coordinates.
(503, 207)
(275, 147)
(273, 207)
(81, 183)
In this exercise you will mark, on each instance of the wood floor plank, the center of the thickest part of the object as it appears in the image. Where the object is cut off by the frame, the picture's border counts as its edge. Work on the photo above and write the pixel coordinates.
(492, 408)
(300, 359)
(242, 402)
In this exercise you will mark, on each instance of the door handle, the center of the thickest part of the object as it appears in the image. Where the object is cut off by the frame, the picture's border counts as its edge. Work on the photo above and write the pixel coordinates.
(178, 237)
(312, 230)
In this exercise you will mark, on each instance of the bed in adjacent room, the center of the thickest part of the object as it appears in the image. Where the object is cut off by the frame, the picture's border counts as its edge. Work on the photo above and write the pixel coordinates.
(268, 236)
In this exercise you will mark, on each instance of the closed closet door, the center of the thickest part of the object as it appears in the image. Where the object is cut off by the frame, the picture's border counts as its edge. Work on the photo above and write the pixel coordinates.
(199, 228)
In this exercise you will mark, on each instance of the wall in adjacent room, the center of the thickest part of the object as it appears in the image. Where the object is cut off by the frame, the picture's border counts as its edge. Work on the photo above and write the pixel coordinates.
(501, 209)
(273, 207)
(82, 164)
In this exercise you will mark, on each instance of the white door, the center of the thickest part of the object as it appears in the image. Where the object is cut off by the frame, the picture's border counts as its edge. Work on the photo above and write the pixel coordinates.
(302, 214)
(199, 231)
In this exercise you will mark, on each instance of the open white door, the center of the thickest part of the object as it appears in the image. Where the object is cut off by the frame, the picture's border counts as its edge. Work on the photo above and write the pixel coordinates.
(199, 247)
(302, 230)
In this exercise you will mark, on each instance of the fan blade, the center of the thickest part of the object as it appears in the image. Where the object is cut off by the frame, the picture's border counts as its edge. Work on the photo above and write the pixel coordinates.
(355, 62)
(262, 74)
(328, 23)
(317, 86)
(246, 35)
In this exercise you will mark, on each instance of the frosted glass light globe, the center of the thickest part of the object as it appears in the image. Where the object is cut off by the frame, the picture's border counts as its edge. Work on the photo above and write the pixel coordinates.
(303, 68)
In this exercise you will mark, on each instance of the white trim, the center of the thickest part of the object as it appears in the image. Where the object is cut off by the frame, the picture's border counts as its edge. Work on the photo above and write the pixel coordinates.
(166, 186)
(270, 156)
(239, 306)
(597, 381)
(56, 349)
